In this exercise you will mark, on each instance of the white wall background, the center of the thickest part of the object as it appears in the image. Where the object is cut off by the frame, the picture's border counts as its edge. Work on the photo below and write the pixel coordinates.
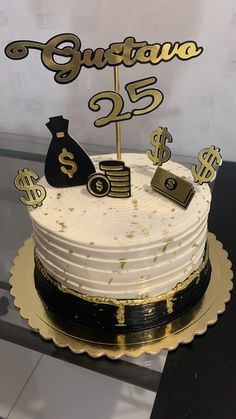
(199, 95)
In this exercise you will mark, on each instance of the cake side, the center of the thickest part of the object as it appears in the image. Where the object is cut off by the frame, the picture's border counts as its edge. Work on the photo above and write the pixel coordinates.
(121, 248)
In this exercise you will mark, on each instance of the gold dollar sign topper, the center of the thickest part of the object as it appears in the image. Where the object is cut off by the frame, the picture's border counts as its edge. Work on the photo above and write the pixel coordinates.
(158, 139)
(24, 182)
(207, 157)
(63, 156)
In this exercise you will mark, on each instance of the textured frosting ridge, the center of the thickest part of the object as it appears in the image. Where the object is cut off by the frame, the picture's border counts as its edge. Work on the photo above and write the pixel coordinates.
(121, 248)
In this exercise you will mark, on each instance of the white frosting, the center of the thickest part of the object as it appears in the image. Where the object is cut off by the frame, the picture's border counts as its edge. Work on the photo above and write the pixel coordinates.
(121, 248)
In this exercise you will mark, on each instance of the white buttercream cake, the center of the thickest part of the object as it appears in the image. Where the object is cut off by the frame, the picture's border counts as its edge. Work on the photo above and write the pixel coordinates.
(133, 248)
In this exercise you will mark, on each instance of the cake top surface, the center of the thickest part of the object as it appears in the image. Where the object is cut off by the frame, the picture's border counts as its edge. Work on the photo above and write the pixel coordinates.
(73, 214)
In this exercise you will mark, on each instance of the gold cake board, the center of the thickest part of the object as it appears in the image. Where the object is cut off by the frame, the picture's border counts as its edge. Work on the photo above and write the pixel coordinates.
(79, 339)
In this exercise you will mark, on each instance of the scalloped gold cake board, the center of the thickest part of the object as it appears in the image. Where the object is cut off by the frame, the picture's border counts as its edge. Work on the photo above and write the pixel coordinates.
(79, 339)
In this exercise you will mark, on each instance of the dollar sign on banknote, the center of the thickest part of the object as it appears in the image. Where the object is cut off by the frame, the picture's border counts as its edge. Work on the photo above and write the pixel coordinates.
(158, 139)
(99, 186)
(206, 172)
(63, 159)
(170, 183)
(24, 182)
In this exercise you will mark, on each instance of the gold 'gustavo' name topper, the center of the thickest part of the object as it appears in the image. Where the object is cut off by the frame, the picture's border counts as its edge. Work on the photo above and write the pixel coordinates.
(127, 53)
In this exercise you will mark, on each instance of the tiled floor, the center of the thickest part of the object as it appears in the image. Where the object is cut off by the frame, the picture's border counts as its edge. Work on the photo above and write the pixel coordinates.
(39, 387)
(16, 365)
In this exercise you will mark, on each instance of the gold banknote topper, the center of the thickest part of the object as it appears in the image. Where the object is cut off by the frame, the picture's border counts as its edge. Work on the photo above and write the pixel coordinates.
(206, 172)
(24, 182)
(158, 139)
(173, 187)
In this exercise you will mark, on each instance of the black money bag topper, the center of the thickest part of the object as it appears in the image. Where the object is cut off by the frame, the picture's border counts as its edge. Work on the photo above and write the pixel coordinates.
(67, 164)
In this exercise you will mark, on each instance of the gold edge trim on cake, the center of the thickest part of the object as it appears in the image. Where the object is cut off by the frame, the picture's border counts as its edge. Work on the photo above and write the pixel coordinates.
(168, 295)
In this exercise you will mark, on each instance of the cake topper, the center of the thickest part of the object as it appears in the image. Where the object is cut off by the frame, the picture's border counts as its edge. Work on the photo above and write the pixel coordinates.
(173, 187)
(207, 157)
(158, 139)
(118, 102)
(127, 53)
(115, 183)
(67, 164)
(24, 182)
(98, 185)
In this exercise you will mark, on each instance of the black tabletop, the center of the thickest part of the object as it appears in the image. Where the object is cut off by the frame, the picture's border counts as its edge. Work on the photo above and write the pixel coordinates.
(199, 379)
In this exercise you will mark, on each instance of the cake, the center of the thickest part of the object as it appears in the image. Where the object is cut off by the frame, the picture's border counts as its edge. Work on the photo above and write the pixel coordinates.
(121, 265)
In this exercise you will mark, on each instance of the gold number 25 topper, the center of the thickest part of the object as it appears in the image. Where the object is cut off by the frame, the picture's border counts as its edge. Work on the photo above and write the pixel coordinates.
(127, 53)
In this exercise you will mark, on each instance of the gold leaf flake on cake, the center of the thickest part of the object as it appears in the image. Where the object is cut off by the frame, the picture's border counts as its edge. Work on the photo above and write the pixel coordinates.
(169, 305)
(122, 262)
(165, 247)
(145, 231)
(129, 235)
(62, 224)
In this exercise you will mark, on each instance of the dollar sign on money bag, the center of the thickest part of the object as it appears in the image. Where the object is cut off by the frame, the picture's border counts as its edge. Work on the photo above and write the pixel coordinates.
(67, 164)
(24, 182)
(207, 157)
(63, 159)
(158, 139)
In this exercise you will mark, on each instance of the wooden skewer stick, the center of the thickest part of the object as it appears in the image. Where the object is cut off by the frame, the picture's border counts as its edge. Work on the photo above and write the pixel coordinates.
(117, 90)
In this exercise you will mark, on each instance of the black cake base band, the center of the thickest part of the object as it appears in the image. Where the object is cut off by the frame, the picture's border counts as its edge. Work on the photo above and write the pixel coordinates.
(122, 315)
